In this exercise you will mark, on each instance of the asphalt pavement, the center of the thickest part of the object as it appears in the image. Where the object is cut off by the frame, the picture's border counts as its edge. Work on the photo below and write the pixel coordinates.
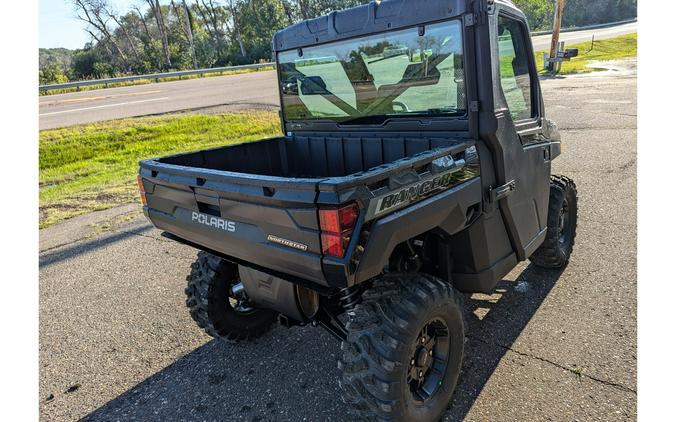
(117, 343)
(226, 93)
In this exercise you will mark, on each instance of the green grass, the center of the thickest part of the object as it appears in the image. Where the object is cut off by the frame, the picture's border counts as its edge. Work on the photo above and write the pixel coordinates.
(149, 81)
(92, 167)
(620, 47)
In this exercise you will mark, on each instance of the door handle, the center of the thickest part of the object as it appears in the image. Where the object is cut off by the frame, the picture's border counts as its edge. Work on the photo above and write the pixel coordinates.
(502, 191)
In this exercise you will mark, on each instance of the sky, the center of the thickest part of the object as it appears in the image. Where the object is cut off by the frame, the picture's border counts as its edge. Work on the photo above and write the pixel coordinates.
(60, 28)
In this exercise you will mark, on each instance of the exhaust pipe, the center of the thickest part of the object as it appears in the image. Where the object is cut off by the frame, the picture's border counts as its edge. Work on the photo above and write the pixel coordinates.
(267, 291)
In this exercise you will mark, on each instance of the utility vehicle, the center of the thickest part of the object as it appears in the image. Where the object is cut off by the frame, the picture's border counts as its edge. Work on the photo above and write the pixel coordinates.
(414, 167)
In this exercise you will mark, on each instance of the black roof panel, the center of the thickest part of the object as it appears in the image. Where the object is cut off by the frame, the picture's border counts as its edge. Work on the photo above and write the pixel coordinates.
(366, 19)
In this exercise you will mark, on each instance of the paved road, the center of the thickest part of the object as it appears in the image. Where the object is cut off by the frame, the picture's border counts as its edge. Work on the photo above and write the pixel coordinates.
(543, 42)
(226, 93)
(116, 342)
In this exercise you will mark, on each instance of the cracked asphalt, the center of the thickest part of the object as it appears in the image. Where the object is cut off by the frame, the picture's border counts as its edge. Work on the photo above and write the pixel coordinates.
(117, 343)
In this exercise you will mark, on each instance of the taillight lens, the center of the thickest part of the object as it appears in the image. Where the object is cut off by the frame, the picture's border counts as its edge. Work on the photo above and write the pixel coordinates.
(347, 216)
(141, 188)
(334, 244)
(337, 225)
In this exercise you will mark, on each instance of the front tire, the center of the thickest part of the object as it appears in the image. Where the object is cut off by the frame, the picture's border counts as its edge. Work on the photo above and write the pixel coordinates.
(557, 248)
(403, 354)
(216, 308)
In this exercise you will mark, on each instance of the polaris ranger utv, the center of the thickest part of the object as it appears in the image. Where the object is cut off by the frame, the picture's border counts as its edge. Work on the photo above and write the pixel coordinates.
(415, 166)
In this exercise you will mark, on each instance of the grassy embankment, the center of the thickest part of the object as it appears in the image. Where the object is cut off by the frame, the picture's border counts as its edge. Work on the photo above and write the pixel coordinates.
(150, 81)
(92, 167)
(616, 48)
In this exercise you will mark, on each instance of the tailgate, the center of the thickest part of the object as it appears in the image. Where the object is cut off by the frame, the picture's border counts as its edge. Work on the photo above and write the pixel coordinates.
(270, 221)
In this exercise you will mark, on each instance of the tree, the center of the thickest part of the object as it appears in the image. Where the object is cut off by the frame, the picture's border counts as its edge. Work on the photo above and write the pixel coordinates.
(84, 61)
(539, 13)
(589, 12)
(94, 13)
(156, 9)
(52, 73)
(233, 7)
(187, 29)
(213, 18)
(125, 32)
(151, 37)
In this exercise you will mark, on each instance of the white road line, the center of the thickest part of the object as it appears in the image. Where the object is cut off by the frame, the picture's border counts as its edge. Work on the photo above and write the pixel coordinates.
(103, 106)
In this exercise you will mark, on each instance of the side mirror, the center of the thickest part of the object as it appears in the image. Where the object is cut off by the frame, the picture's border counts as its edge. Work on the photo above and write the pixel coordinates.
(313, 85)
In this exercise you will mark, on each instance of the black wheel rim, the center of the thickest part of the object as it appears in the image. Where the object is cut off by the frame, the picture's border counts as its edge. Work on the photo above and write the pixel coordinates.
(429, 360)
(238, 299)
(564, 226)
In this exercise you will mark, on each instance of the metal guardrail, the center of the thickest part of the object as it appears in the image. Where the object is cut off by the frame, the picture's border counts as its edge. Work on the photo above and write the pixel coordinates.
(156, 76)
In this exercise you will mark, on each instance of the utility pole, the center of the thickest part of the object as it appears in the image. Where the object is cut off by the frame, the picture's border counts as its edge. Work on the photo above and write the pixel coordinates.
(555, 36)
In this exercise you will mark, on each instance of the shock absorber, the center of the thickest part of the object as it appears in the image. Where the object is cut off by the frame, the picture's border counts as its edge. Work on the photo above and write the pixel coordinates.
(350, 297)
(327, 316)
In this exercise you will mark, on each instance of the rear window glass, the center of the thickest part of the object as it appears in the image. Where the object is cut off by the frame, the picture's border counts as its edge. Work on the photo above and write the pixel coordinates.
(384, 75)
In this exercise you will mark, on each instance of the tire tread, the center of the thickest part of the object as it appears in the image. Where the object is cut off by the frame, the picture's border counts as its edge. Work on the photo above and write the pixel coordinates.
(202, 296)
(550, 254)
(368, 362)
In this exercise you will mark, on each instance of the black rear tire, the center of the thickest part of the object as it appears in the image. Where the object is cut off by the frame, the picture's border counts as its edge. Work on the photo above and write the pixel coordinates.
(213, 306)
(557, 248)
(386, 344)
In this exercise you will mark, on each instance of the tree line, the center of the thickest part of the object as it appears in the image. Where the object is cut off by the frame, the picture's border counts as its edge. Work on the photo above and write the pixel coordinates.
(577, 12)
(155, 35)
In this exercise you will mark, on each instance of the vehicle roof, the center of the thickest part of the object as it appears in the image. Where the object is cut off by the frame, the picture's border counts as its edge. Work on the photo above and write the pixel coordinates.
(370, 18)
(365, 19)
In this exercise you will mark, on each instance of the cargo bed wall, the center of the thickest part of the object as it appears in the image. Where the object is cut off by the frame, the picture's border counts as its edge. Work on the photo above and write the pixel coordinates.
(307, 156)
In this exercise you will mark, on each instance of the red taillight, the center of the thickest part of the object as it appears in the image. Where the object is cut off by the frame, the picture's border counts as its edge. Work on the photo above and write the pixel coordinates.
(141, 188)
(338, 220)
(333, 244)
(348, 215)
(329, 220)
(337, 225)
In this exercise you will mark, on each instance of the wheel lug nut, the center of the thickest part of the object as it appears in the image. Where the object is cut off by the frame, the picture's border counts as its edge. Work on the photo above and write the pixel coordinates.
(431, 352)
(424, 339)
(412, 362)
(421, 374)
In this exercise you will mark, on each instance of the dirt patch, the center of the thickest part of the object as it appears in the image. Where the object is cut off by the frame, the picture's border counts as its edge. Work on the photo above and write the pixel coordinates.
(113, 223)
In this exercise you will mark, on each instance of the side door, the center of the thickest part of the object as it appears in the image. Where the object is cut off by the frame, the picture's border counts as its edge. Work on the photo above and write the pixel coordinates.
(519, 112)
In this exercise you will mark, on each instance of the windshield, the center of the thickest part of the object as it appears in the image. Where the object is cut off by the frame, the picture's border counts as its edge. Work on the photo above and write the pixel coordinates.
(368, 79)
